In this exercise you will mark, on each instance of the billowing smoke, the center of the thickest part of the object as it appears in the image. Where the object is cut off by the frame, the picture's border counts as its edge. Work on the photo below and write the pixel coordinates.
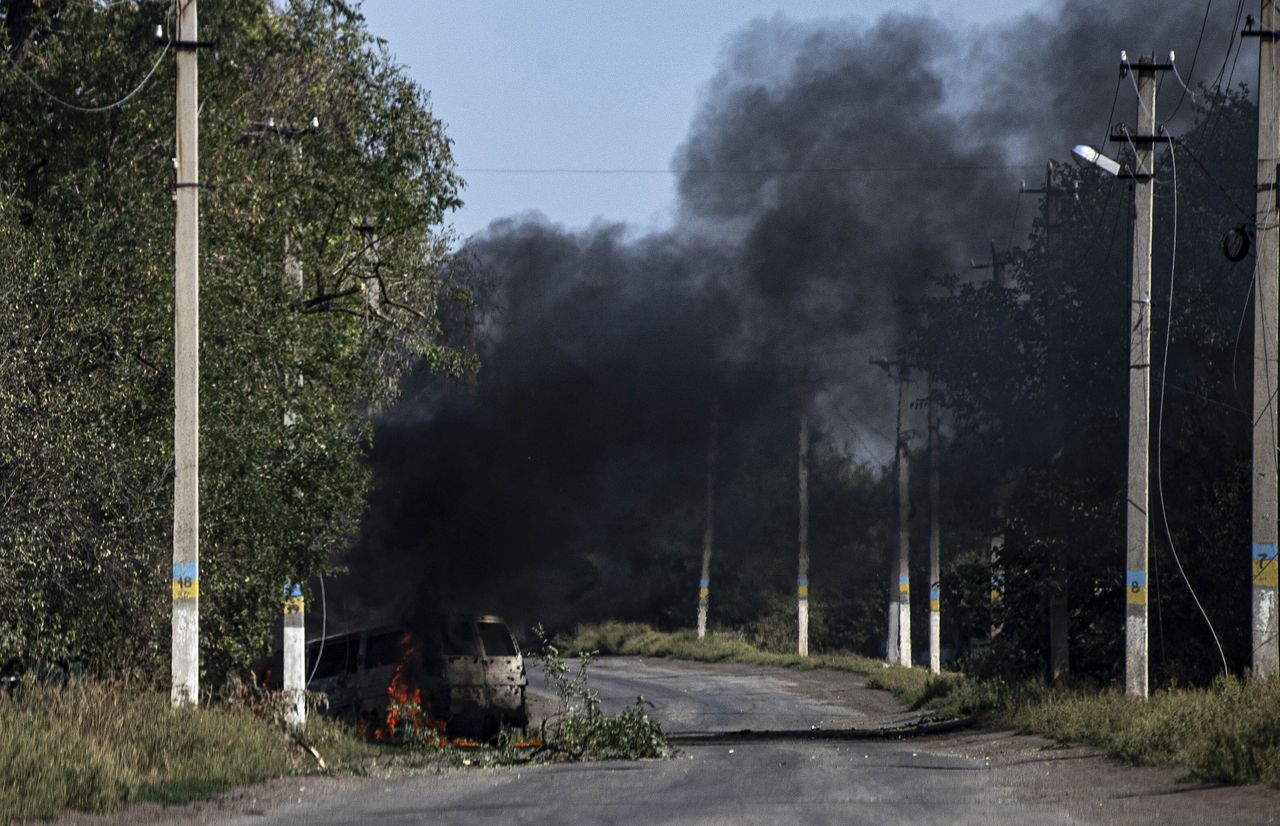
(834, 171)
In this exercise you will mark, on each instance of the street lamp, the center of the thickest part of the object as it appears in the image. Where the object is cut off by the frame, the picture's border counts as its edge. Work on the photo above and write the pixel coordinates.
(1085, 155)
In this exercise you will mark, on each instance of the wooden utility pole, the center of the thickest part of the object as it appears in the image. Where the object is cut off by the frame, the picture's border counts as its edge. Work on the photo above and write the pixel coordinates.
(185, 643)
(1136, 633)
(708, 528)
(802, 576)
(1266, 316)
(935, 537)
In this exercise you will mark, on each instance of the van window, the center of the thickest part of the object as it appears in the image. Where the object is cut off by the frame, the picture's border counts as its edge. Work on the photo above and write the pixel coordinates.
(383, 649)
(460, 640)
(496, 639)
(338, 657)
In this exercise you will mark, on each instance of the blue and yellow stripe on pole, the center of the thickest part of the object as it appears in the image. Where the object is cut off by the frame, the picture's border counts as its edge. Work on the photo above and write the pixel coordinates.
(904, 584)
(935, 599)
(704, 588)
(1264, 564)
(186, 580)
(1135, 587)
(293, 602)
(802, 588)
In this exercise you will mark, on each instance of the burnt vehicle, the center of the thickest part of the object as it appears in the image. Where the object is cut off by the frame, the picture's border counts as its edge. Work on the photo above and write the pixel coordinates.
(468, 669)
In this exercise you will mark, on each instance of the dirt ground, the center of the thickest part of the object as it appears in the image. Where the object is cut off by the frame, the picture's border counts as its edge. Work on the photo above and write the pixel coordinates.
(1093, 788)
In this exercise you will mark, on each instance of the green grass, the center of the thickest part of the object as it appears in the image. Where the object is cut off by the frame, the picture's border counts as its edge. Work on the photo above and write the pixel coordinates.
(97, 746)
(1228, 732)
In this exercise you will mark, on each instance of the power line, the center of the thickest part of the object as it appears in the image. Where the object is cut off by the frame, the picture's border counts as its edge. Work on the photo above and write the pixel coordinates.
(1234, 43)
(95, 109)
(1164, 370)
(1192, 70)
(324, 628)
(1013, 225)
(1235, 352)
(1186, 391)
(1249, 216)
(1111, 116)
(1183, 83)
(493, 170)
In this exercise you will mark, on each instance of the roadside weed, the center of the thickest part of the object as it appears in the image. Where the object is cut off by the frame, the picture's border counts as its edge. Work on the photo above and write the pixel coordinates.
(579, 729)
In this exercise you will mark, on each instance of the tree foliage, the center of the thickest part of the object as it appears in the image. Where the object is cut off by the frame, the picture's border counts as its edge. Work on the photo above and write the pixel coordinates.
(354, 207)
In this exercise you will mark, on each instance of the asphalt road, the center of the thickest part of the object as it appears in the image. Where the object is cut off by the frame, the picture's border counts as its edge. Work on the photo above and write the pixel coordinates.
(689, 697)
(970, 777)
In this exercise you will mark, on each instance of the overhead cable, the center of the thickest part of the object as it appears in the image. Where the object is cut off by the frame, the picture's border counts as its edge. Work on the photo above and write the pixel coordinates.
(95, 109)
(1194, 56)
(1164, 370)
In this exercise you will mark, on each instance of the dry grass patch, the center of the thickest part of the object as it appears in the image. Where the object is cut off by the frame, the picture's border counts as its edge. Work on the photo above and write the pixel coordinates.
(99, 745)
(1228, 733)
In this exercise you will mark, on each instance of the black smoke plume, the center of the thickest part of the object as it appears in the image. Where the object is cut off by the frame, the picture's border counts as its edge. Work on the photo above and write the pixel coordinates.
(834, 171)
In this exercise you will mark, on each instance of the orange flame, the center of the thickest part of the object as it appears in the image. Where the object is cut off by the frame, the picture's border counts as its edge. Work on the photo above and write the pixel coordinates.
(406, 713)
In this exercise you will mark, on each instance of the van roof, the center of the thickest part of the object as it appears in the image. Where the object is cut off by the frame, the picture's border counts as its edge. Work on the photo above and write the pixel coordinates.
(382, 629)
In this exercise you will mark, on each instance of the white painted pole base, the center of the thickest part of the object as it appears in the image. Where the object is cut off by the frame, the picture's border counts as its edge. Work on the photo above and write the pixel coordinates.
(702, 613)
(802, 615)
(185, 662)
(891, 643)
(294, 677)
(1264, 623)
(935, 640)
(1135, 650)
(904, 627)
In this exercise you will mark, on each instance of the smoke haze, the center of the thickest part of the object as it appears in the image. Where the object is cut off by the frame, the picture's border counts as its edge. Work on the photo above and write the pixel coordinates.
(833, 172)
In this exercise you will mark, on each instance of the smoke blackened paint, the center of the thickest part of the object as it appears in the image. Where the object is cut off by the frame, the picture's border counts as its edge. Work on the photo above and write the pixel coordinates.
(833, 171)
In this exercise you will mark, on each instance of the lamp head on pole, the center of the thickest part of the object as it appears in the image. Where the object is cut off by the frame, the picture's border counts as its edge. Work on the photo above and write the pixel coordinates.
(1086, 155)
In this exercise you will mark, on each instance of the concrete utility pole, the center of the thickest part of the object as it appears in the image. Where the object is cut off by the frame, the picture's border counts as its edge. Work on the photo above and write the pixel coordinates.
(902, 592)
(802, 577)
(898, 644)
(1059, 605)
(708, 528)
(185, 659)
(1266, 316)
(1000, 276)
(1059, 600)
(935, 538)
(294, 671)
(1135, 666)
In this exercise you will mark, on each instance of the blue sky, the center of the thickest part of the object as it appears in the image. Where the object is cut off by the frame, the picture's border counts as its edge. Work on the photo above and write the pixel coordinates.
(603, 85)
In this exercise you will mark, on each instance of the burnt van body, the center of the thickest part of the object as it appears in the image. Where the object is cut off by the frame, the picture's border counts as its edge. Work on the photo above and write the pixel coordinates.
(468, 668)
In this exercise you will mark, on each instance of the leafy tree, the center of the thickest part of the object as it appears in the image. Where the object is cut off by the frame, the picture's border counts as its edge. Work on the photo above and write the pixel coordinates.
(354, 207)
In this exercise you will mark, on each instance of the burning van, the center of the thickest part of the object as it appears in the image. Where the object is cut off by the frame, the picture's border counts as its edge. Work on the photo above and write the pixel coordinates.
(465, 671)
